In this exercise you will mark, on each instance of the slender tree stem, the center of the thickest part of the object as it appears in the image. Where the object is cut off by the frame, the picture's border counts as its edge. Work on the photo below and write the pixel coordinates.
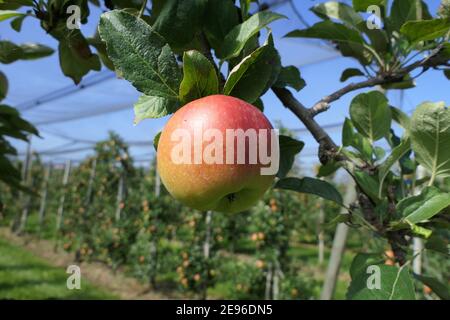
(144, 5)
(392, 77)
(375, 54)
(305, 117)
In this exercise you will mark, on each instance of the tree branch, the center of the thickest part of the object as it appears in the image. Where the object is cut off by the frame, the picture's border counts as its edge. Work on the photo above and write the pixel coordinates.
(391, 77)
(324, 103)
(326, 143)
(306, 115)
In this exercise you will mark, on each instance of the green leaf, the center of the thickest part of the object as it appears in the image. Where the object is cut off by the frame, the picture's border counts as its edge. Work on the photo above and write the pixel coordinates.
(340, 218)
(396, 154)
(75, 56)
(290, 77)
(73, 65)
(356, 51)
(3, 86)
(9, 52)
(401, 118)
(423, 30)
(378, 152)
(350, 72)
(406, 83)
(312, 186)
(255, 74)
(245, 7)
(220, 17)
(362, 5)
(361, 261)
(238, 36)
(395, 284)
(347, 133)
(439, 288)
(7, 14)
(447, 73)
(154, 107)
(33, 51)
(200, 78)
(131, 4)
(338, 10)
(401, 12)
(356, 140)
(16, 23)
(13, 125)
(378, 37)
(328, 30)
(156, 140)
(444, 53)
(420, 231)
(422, 207)
(438, 244)
(369, 185)
(100, 46)
(430, 137)
(143, 57)
(371, 115)
(328, 169)
(349, 40)
(289, 147)
(179, 21)
(259, 104)
(14, 4)
(8, 173)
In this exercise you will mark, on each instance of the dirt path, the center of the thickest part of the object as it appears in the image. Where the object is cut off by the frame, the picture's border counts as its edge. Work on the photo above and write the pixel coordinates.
(97, 273)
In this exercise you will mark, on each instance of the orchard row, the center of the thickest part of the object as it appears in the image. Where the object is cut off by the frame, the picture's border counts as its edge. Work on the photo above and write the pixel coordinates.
(107, 209)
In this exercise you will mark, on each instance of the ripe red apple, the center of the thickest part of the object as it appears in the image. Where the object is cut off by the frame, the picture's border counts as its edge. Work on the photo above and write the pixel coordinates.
(224, 187)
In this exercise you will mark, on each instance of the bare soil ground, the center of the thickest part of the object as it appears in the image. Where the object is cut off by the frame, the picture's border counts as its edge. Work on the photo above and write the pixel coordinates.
(97, 273)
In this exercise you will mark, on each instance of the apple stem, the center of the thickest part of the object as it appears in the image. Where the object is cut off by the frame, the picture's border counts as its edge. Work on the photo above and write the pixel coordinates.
(231, 197)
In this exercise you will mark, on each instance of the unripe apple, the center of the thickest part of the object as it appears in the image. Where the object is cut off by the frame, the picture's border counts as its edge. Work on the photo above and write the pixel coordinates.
(230, 186)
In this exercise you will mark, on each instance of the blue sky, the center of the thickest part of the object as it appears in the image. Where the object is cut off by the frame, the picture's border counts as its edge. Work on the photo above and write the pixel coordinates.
(319, 67)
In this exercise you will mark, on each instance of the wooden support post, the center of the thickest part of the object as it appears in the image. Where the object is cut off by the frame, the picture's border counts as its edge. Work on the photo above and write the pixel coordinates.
(154, 243)
(60, 212)
(320, 233)
(207, 243)
(44, 193)
(20, 221)
(120, 196)
(206, 253)
(338, 248)
(276, 281)
(91, 182)
(269, 276)
(157, 184)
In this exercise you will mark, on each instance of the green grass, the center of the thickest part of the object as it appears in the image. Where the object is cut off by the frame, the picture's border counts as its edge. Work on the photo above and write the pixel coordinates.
(24, 276)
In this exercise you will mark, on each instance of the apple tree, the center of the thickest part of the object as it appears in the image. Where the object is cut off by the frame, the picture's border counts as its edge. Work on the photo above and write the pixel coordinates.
(174, 50)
